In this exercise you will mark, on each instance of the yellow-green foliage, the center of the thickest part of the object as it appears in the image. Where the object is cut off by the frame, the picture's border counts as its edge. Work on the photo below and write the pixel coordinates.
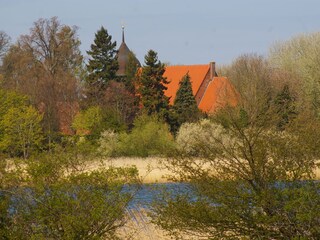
(22, 131)
(9, 99)
(149, 137)
(87, 120)
(300, 56)
(55, 199)
(94, 120)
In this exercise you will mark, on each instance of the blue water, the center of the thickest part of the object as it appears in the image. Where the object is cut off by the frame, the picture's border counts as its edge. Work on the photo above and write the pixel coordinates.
(143, 195)
(148, 193)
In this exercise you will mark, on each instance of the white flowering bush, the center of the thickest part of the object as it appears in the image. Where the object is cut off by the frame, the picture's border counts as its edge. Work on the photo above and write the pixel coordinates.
(108, 143)
(195, 138)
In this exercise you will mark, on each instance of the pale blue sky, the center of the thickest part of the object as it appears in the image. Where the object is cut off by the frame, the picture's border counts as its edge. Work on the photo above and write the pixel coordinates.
(181, 31)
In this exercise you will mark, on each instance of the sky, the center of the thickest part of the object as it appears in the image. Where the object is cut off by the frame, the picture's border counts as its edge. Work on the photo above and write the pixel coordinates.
(181, 31)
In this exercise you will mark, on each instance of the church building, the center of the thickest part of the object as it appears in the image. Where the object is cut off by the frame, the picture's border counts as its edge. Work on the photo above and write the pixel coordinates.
(211, 91)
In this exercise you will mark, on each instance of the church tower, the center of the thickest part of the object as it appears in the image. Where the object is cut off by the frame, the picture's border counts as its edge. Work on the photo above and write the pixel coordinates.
(123, 56)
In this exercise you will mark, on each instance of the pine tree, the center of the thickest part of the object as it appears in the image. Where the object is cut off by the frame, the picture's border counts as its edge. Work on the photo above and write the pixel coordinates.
(152, 86)
(285, 107)
(103, 64)
(185, 105)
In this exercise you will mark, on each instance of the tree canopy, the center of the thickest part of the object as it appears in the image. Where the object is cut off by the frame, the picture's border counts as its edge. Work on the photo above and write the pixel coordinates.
(102, 65)
(249, 170)
(299, 56)
(185, 105)
(152, 85)
(4, 44)
(46, 65)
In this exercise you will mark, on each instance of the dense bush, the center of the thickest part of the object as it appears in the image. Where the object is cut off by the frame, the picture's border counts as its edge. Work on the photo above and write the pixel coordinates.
(54, 199)
(149, 137)
(108, 143)
(192, 137)
(92, 121)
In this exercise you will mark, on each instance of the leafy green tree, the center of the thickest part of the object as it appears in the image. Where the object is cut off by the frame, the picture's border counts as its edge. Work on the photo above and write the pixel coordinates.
(250, 182)
(92, 121)
(10, 99)
(149, 137)
(87, 121)
(55, 199)
(185, 104)
(299, 56)
(102, 65)
(46, 65)
(22, 131)
(152, 86)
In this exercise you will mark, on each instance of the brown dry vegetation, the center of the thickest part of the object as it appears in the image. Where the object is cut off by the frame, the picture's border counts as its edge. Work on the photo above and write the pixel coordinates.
(151, 169)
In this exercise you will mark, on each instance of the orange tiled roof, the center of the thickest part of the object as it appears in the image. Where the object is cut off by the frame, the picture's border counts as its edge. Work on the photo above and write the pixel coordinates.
(174, 74)
(219, 93)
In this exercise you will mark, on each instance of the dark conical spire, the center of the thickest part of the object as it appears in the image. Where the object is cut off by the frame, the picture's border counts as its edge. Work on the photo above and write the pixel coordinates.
(123, 56)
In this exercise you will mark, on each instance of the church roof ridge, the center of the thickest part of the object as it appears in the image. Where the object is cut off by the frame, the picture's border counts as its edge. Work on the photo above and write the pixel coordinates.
(188, 65)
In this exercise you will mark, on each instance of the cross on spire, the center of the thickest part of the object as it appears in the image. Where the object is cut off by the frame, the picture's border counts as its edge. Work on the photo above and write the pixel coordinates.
(123, 33)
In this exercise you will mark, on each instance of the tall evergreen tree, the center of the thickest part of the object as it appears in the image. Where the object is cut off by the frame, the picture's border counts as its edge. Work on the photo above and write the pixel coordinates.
(103, 64)
(185, 105)
(285, 107)
(152, 86)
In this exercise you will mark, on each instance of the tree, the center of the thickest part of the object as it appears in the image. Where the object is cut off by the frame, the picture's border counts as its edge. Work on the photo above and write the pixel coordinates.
(252, 77)
(45, 65)
(285, 107)
(250, 179)
(10, 99)
(250, 182)
(4, 44)
(152, 85)
(55, 199)
(22, 131)
(185, 104)
(92, 121)
(102, 65)
(88, 121)
(299, 56)
(121, 101)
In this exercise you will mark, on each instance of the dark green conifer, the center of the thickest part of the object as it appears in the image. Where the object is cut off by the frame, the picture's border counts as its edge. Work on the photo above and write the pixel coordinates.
(152, 86)
(285, 107)
(102, 65)
(185, 105)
